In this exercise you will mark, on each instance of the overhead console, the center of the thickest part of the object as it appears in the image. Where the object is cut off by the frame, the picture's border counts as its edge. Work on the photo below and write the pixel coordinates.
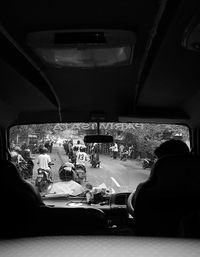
(83, 49)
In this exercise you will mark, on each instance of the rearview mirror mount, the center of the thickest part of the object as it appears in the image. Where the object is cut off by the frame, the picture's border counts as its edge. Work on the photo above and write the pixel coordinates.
(98, 139)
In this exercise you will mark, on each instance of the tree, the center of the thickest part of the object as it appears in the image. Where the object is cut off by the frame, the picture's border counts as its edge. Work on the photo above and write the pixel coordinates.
(20, 133)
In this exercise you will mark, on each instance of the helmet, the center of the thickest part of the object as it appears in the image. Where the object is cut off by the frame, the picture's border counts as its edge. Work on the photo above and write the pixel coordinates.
(45, 150)
(66, 174)
(82, 149)
(27, 152)
(67, 168)
(17, 149)
(68, 165)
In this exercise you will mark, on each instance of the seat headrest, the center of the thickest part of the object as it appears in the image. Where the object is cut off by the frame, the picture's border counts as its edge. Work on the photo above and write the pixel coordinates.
(177, 171)
(9, 172)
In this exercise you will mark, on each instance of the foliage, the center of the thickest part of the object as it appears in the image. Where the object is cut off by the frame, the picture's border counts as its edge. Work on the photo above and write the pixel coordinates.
(147, 137)
(23, 131)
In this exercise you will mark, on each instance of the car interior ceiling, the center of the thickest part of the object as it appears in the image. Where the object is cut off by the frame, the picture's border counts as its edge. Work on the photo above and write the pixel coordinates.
(161, 85)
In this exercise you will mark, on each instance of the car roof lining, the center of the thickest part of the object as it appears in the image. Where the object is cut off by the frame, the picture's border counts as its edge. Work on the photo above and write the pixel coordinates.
(152, 86)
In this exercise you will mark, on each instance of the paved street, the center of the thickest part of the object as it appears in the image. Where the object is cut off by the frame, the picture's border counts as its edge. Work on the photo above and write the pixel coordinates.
(116, 174)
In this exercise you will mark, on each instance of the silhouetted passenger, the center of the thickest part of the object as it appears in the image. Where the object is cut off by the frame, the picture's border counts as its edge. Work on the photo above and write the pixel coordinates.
(170, 147)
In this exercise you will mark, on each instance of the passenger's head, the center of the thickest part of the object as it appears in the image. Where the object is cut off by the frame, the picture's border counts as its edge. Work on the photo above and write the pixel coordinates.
(78, 142)
(66, 174)
(171, 147)
(10, 173)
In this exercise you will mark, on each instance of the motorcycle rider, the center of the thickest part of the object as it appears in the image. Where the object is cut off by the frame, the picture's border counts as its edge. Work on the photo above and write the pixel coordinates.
(16, 156)
(81, 159)
(124, 154)
(81, 156)
(71, 166)
(95, 155)
(18, 160)
(26, 154)
(67, 185)
(44, 162)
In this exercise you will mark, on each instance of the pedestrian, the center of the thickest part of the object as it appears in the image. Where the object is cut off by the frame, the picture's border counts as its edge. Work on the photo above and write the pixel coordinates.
(50, 146)
(115, 150)
(66, 147)
(130, 152)
(121, 149)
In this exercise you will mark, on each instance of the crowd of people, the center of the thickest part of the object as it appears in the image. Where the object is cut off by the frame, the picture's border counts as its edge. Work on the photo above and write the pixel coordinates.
(70, 181)
(21, 156)
(115, 150)
(81, 153)
(121, 151)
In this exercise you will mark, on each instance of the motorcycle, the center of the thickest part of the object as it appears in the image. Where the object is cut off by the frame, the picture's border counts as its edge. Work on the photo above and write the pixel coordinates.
(26, 166)
(124, 156)
(23, 163)
(44, 179)
(26, 169)
(79, 171)
(147, 163)
(95, 160)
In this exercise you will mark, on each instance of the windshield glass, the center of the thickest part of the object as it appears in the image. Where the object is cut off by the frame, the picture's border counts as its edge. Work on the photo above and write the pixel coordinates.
(49, 152)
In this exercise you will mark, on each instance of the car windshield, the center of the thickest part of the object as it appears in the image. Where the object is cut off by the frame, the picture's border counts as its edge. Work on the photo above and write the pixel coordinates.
(42, 151)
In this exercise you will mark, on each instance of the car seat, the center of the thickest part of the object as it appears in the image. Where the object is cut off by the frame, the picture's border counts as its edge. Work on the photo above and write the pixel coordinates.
(171, 192)
(190, 225)
(24, 214)
(19, 201)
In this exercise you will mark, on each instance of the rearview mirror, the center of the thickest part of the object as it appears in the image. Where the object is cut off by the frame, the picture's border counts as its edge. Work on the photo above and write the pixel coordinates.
(98, 139)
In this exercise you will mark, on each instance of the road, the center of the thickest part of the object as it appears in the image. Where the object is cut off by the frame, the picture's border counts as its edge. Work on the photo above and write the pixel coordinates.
(120, 175)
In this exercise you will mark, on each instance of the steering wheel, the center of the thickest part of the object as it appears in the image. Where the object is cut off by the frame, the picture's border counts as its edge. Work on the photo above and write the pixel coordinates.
(130, 203)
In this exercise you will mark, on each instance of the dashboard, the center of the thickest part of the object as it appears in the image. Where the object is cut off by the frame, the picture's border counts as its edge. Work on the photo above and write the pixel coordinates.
(115, 202)
(114, 206)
